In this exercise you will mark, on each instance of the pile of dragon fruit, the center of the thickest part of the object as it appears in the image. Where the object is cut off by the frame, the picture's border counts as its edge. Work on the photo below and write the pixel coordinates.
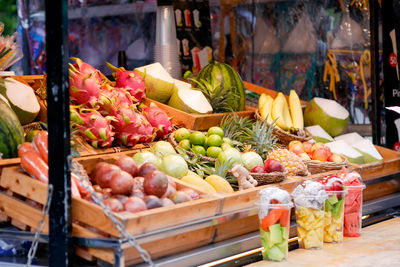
(104, 113)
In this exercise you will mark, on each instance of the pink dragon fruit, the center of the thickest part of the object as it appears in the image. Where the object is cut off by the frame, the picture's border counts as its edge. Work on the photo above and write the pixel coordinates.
(95, 128)
(131, 80)
(159, 120)
(132, 127)
(84, 83)
(113, 98)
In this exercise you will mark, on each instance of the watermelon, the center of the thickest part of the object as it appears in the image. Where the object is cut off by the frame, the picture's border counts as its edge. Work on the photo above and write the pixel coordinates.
(11, 132)
(352, 224)
(221, 74)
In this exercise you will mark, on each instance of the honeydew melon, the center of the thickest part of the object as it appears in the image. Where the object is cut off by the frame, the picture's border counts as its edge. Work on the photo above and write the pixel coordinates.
(350, 138)
(159, 84)
(368, 151)
(21, 98)
(319, 134)
(329, 114)
(188, 100)
(342, 148)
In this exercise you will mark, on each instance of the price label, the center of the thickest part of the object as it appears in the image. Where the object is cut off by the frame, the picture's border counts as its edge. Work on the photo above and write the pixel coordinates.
(396, 146)
(393, 60)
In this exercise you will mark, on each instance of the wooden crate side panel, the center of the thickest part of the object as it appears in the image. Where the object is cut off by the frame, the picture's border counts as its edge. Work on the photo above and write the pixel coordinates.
(236, 228)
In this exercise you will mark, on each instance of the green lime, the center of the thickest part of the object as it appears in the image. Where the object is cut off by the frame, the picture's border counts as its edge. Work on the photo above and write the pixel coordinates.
(197, 138)
(214, 140)
(213, 151)
(225, 146)
(199, 150)
(227, 140)
(181, 134)
(30, 135)
(185, 144)
(215, 130)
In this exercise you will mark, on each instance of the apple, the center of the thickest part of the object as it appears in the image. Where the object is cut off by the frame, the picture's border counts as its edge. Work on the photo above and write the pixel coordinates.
(316, 146)
(307, 147)
(134, 204)
(294, 143)
(304, 156)
(320, 154)
(272, 165)
(335, 158)
(258, 169)
(296, 148)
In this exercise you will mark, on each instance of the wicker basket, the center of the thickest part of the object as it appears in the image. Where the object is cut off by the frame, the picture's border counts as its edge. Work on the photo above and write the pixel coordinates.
(269, 178)
(316, 166)
(32, 126)
(172, 140)
(284, 137)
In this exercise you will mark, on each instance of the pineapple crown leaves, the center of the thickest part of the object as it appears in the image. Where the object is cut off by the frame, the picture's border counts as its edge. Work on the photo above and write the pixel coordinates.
(235, 127)
(218, 96)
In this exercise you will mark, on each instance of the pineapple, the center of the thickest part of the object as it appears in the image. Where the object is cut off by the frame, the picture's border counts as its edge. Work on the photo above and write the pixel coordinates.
(260, 137)
(235, 127)
(290, 161)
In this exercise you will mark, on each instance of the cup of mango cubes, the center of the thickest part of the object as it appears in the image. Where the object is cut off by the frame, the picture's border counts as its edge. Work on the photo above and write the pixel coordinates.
(309, 199)
(274, 216)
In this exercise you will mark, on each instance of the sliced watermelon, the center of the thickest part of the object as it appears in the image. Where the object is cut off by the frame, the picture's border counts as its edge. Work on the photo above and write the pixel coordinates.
(271, 219)
(352, 224)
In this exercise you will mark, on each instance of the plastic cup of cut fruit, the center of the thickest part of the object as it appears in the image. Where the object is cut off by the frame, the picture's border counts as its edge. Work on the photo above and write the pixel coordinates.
(274, 229)
(310, 223)
(333, 219)
(353, 211)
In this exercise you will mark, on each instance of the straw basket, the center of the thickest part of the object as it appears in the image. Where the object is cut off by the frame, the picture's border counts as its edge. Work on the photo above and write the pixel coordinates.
(316, 166)
(269, 178)
(284, 137)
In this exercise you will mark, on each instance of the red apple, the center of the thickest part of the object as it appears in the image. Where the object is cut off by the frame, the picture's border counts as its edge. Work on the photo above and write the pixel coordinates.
(272, 165)
(294, 143)
(335, 158)
(307, 146)
(258, 169)
(296, 148)
(316, 146)
(320, 154)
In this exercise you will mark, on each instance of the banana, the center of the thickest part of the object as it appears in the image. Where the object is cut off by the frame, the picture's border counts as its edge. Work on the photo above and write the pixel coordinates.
(277, 110)
(286, 112)
(197, 181)
(262, 100)
(219, 184)
(265, 110)
(295, 110)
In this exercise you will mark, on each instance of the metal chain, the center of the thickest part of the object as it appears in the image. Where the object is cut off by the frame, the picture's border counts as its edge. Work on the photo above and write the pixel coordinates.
(40, 226)
(120, 227)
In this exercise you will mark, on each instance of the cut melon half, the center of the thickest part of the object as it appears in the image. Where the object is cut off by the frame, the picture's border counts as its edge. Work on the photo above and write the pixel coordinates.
(350, 138)
(342, 148)
(368, 150)
(319, 134)
(190, 101)
(21, 98)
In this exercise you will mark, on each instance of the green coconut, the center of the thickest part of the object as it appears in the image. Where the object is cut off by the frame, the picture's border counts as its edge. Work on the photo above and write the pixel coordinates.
(21, 98)
(188, 100)
(368, 151)
(159, 84)
(328, 114)
(350, 138)
(319, 134)
(342, 148)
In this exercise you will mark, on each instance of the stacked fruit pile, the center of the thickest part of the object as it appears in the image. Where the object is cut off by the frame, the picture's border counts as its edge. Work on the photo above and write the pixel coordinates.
(101, 112)
(317, 151)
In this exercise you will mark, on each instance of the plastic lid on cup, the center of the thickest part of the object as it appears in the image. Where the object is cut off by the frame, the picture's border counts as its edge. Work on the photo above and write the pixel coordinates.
(310, 194)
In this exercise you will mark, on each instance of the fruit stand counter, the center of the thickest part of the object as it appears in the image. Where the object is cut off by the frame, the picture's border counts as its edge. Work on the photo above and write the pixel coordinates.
(379, 245)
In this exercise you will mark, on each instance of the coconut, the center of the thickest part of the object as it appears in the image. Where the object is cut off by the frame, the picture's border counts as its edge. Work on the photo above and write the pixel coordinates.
(368, 151)
(159, 84)
(5, 100)
(329, 114)
(21, 98)
(350, 138)
(319, 134)
(340, 147)
(190, 101)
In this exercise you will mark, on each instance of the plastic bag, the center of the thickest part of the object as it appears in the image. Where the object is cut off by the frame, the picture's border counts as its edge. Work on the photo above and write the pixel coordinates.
(349, 34)
(303, 38)
(265, 40)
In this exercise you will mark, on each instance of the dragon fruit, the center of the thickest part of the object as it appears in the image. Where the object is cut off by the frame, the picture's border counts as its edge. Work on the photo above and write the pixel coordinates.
(113, 98)
(132, 127)
(131, 80)
(157, 117)
(95, 128)
(84, 83)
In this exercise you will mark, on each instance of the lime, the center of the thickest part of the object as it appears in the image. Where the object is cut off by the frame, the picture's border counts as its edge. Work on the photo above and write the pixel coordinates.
(227, 140)
(225, 146)
(197, 138)
(199, 150)
(215, 130)
(185, 144)
(213, 151)
(214, 140)
(30, 135)
(181, 134)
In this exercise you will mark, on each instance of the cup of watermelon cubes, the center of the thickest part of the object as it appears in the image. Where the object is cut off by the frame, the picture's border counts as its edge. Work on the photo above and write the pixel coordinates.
(274, 217)
(334, 208)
